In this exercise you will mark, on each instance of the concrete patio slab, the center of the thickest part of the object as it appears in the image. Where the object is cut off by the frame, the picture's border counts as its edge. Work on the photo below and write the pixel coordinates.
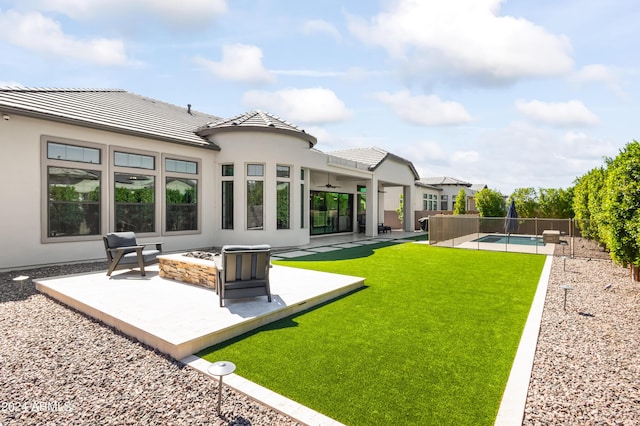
(348, 245)
(295, 253)
(181, 319)
(323, 249)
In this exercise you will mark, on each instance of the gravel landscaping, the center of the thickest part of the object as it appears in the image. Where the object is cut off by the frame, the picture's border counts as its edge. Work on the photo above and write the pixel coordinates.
(587, 364)
(58, 366)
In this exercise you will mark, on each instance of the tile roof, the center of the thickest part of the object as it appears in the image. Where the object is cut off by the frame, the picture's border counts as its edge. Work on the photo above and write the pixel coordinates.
(112, 110)
(478, 187)
(444, 180)
(256, 120)
(372, 157)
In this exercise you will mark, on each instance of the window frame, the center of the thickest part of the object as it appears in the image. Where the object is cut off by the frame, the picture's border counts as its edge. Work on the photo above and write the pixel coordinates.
(158, 217)
(444, 201)
(197, 176)
(254, 178)
(46, 163)
(225, 179)
(288, 181)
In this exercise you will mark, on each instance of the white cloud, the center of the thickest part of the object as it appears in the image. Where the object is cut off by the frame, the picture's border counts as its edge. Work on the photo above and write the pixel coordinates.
(38, 33)
(465, 38)
(571, 113)
(424, 110)
(426, 152)
(599, 74)
(240, 62)
(183, 13)
(318, 26)
(523, 155)
(314, 105)
(461, 158)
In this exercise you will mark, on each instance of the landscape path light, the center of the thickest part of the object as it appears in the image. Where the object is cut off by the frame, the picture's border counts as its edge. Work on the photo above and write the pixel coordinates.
(221, 369)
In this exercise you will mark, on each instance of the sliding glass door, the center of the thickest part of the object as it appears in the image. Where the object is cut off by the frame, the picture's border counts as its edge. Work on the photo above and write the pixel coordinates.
(331, 212)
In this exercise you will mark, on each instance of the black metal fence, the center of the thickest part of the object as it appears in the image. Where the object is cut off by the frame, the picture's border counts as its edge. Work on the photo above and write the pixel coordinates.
(535, 235)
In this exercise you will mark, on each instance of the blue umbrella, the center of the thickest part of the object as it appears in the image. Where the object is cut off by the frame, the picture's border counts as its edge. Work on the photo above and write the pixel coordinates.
(511, 222)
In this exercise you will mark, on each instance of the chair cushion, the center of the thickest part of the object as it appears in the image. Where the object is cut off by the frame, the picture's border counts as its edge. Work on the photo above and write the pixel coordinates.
(132, 258)
(122, 239)
(238, 247)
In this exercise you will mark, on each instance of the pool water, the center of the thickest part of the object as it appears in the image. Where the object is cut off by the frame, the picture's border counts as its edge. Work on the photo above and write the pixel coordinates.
(512, 239)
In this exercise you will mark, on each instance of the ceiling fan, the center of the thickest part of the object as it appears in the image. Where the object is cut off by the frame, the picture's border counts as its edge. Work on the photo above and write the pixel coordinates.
(328, 184)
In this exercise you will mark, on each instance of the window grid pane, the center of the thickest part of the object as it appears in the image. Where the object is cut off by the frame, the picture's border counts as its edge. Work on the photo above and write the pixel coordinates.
(136, 161)
(182, 204)
(134, 203)
(255, 204)
(181, 166)
(255, 169)
(73, 202)
(283, 203)
(227, 170)
(227, 204)
(283, 171)
(59, 151)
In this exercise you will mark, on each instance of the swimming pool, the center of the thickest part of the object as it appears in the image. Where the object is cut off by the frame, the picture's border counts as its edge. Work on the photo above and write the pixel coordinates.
(512, 239)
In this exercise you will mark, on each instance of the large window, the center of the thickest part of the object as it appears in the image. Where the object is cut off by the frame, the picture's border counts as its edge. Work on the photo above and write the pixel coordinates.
(444, 202)
(227, 196)
(429, 202)
(302, 198)
(134, 186)
(135, 202)
(72, 189)
(181, 192)
(255, 196)
(74, 202)
(283, 195)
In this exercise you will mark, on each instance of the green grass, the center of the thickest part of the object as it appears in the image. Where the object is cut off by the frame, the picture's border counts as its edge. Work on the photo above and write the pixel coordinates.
(429, 340)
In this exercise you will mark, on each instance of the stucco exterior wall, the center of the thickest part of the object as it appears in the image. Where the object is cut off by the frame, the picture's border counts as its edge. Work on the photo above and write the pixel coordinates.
(252, 147)
(21, 174)
(23, 189)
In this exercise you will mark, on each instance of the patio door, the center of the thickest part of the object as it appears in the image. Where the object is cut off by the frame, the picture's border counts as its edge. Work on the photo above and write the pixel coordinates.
(331, 212)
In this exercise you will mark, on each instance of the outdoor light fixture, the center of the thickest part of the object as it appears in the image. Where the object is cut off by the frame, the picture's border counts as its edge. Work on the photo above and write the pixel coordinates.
(221, 368)
(566, 288)
(21, 279)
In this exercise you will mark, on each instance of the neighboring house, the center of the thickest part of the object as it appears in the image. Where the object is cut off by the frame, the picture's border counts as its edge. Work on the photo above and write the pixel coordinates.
(434, 195)
(80, 163)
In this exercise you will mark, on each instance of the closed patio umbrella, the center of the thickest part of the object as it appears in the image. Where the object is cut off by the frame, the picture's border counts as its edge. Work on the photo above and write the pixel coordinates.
(511, 221)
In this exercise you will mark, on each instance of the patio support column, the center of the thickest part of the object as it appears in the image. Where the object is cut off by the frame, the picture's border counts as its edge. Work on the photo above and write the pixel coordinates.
(408, 220)
(371, 228)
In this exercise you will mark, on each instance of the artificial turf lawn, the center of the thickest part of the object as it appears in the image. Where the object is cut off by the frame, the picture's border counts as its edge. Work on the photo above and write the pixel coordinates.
(429, 340)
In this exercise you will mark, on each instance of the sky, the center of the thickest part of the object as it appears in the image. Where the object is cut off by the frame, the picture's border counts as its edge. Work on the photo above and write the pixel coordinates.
(510, 94)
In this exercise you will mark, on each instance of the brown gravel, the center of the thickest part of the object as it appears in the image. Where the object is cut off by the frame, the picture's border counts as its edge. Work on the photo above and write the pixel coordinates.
(587, 364)
(58, 366)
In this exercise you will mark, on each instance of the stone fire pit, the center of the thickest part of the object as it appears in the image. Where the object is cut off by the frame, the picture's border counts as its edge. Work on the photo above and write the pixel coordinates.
(197, 268)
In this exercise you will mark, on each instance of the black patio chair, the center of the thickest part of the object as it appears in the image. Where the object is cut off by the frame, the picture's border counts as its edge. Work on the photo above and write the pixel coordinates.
(124, 252)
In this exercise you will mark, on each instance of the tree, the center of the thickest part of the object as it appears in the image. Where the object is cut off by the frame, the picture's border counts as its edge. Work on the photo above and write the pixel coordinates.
(490, 203)
(526, 201)
(461, 203)
(587, 203)
(555, 203)
(400, 209)
(622, 208)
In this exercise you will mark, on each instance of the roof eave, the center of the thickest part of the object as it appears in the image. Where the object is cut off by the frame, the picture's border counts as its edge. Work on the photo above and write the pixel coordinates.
(399, 159)
(208, 131)
(206, 144)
